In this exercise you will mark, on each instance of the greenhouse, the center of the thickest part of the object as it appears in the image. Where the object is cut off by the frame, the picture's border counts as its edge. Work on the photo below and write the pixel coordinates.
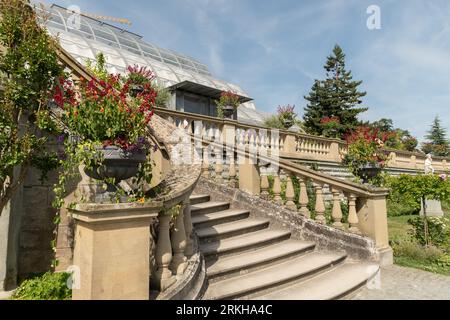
(193, 87)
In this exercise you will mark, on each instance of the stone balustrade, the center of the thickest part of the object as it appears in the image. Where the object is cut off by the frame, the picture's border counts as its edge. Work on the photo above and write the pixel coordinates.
(291, 145)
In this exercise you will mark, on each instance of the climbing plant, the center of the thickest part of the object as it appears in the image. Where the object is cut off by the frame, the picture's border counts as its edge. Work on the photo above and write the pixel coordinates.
(28, 69)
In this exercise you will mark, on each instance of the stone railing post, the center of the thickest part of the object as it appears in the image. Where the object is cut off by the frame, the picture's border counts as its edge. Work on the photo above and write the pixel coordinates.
(189, 251)
(353, 220)
(303, 199)
(277, 189)
(372, 215)
(334, 152)
(320, 205)
(265, 187)
(290, 194)
(163, 277)
(112, 244)
(178, 237)
(336, 213)
(290, 143)
(206, 162)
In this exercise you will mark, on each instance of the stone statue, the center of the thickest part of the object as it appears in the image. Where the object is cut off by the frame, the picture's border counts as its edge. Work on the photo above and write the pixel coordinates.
(433, 207)
(429, 164)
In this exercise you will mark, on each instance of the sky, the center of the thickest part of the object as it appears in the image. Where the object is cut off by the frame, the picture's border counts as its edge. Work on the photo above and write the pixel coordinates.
(275, 50)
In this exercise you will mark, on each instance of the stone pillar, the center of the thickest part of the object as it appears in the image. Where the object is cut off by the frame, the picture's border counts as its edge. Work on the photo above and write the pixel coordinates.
(303, 199)
(289, 144)
(353, 219)
(249, 177)
(372, 216)
(163, 278)
(265, 187)
(178, 237)
(277, 189)
(320, 205)
(336, 213)
(112, 243)
(189, 251)
(290, 195)
(334, 152)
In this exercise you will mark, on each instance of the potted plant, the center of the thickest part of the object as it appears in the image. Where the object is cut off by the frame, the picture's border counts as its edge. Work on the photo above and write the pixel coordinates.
(365, 157)
(330, 126)
(138, 77)
(109, 121)
(287, 115)
(227, 104)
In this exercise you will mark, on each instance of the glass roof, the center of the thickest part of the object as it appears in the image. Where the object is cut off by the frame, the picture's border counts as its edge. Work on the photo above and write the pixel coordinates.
(123, 48)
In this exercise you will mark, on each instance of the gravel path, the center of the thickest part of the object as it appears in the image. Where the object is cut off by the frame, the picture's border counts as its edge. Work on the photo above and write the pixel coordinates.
(400, 283)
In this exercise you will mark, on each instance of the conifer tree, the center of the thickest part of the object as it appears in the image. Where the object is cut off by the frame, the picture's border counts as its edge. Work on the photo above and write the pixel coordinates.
(437, 142)
(336, 97)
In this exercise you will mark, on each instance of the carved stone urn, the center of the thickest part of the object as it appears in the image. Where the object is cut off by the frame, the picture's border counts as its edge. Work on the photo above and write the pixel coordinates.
(118, 164)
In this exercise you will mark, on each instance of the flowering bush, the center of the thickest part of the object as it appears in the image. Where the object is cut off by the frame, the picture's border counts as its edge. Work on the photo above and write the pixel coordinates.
(139, 75)
(103, 111)
(365, 149)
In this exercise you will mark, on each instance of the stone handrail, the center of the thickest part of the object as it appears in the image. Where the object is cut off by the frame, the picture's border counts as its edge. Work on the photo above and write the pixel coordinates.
(299, 146)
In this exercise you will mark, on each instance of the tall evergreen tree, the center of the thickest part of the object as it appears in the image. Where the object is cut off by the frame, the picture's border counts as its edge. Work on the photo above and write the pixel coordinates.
(437, 142)
(336, 97)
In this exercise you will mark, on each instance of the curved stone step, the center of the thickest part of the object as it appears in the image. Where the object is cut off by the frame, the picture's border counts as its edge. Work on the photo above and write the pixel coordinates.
(209, 219)
(248, 241)
(232, 265)
(273, 276)
(230, 229)
(199, 198)
(334, 284)
(209, 207)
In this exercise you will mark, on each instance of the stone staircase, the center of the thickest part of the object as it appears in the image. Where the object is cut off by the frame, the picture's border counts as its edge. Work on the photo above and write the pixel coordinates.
(246, 259)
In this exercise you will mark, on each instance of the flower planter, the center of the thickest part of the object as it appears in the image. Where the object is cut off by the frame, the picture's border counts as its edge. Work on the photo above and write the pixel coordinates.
(368, 172)
(117, 164)
(287, 123)
(135, 90)
(228, 111)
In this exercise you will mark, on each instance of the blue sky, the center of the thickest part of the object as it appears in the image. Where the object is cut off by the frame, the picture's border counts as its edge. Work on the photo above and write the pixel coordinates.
(275, 49)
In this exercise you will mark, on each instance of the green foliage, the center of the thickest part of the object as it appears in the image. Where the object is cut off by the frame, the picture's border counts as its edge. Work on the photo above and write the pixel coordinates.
(336, 96)
(28, 69)
(50, 286)
(274, 122)
(162, 97)
(437, 143)
(438, 230)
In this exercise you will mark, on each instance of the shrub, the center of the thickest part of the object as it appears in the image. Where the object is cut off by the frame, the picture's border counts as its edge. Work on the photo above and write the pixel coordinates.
(438, 229)
(49, 286)
(412, 250)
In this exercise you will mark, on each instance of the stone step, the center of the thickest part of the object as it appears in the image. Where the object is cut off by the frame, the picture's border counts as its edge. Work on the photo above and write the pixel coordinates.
(273, 276)
(210, 219)
(231, 229)
(250, 241)
(209, 207)
(199, 198)
(335, 284)
(276, 253)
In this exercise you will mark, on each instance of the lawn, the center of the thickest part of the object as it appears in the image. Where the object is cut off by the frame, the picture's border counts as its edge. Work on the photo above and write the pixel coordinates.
(410, 254)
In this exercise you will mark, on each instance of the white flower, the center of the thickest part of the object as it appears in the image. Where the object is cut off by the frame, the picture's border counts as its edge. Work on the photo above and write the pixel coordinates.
(26, 66)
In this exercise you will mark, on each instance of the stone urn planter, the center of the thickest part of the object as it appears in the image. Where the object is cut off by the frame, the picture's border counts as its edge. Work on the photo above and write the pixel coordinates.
(228, 111)
(369, 171)
(287, 123)
(135, 90)
(117, 164)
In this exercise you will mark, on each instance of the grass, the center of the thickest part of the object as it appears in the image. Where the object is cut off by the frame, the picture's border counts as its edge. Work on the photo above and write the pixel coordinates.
(409, 254)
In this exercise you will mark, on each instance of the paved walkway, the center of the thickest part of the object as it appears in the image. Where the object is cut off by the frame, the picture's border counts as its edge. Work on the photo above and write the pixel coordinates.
(400, 283)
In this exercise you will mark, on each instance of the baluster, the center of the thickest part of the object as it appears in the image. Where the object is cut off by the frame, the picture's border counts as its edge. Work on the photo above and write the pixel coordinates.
(205, 165)
(219, 166)
(336, 213)
(290, 195)
(277, 189)
(178, 235)
(163, 277)
(281, 144)
(303, 199)
(232, 171)
(320, 205)
(265, 187)
(189, 250)
(353, 220)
